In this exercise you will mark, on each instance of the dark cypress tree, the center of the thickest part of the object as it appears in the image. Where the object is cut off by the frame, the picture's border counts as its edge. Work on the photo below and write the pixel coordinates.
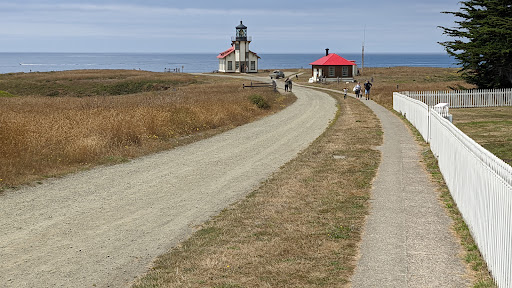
(483, 42)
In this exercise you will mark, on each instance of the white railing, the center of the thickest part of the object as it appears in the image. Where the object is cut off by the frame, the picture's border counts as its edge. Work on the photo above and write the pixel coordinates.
(464, 98)
(248, 38)
(415, 111)
(480, 184)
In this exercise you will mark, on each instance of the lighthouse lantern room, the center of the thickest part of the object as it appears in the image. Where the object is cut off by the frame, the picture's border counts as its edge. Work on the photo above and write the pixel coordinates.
(239, 58)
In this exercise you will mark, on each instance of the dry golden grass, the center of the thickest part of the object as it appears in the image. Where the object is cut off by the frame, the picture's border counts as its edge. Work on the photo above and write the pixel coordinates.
(392, 79)
(490, 127)
(300, 229)
(478, 270)
(43, 136)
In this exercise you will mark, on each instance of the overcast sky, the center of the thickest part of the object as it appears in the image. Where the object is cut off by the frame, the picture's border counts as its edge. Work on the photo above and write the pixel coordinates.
(170, 26)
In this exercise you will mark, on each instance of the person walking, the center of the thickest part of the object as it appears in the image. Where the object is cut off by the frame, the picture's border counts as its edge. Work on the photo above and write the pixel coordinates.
(345, 93)
(357, 90)
(290, 85)
(367, 87)
(286, 85)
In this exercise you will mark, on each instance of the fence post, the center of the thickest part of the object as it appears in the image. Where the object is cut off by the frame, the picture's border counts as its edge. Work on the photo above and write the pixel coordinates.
(464, 98)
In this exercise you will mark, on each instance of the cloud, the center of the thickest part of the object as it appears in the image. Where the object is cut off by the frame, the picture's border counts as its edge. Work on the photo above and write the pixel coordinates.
(150, 10)
(126, 20)
(193, 22)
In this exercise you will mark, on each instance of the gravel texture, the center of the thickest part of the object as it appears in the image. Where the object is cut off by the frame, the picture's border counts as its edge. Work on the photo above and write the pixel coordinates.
(407, 241)
(104, 227)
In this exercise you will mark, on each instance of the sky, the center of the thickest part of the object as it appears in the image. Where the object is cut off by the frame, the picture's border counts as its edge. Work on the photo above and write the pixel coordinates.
(206, 26)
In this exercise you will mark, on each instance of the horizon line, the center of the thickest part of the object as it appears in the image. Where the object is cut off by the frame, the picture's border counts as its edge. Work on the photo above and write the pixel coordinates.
(213, 53)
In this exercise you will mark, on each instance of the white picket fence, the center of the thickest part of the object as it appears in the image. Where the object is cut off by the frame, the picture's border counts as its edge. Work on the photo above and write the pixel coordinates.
(464, 98)
(479, 182)
(415, 111)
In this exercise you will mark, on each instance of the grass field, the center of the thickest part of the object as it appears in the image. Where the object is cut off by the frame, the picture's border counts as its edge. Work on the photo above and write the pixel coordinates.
(480, 276)
(58, 122)
(392, 79)
(299, 229)
(489, 127)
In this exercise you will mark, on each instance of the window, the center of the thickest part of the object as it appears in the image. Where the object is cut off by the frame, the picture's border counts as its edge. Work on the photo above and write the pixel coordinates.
(253, 65)
(230, 65)
(237, 65)
(332, 71)
(237, 46)
(344, 71)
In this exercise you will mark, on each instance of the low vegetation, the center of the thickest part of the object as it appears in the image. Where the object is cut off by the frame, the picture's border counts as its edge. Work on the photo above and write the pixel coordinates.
(481, 278)
(59, 122)
(392, 79)
(259, 101)
(5, 94)
(299, 229)
(490, 127)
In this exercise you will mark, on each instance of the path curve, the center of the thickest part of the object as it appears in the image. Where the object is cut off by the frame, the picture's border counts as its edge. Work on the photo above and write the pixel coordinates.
(407, 241)
(104, 227)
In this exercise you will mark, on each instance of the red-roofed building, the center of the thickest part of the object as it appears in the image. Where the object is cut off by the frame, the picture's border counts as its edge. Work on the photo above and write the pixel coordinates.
(333, 66)
(239, 58)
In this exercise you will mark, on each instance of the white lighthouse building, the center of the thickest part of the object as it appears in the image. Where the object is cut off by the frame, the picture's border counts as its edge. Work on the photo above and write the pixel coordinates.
(239, 58)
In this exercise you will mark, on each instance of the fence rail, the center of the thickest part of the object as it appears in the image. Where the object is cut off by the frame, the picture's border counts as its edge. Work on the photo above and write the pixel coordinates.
(464, 98)
(479, 182)
(415, 111)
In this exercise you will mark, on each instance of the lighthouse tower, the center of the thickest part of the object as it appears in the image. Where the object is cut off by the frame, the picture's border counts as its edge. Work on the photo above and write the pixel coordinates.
(244, 60)
(241, 44)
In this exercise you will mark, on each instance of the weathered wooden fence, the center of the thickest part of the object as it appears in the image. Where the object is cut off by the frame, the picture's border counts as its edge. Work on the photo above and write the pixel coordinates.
(479, 182)
(464, 98)
(261, 84)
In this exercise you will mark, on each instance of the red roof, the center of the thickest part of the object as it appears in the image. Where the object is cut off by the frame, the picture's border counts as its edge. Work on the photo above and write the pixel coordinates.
(332, 59)
(229, 51)
(226, 53)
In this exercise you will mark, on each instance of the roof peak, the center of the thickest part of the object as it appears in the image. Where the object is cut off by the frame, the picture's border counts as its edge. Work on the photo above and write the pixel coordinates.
(332, 59)
(241, 26)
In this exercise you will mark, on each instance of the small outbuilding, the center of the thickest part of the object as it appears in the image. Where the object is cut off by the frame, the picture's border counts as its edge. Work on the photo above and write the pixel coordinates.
(333, 67)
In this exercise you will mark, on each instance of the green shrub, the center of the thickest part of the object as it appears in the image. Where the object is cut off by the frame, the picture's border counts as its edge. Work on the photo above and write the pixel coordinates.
(5, 94)
(259, 101)
(53, 93)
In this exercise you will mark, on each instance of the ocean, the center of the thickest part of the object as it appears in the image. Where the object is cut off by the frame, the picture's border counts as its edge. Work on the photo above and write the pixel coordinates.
(160, 62)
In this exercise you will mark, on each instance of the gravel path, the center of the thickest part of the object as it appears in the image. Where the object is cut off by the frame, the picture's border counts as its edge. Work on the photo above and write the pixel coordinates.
(407, 241)
(104, 227)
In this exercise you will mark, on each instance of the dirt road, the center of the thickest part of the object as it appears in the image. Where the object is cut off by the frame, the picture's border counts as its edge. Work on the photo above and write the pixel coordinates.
(104, 227)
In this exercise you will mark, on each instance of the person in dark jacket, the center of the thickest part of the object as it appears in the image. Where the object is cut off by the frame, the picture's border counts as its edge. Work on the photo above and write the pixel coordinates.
(367, 87)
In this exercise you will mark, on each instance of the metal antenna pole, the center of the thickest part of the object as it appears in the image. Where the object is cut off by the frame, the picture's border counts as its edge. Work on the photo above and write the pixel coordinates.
(362, 52)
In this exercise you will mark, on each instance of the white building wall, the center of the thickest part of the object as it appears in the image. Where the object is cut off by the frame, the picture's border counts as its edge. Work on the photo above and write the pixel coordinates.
(231, 57)
(222, 65)
(253, 57)
(240, 57)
